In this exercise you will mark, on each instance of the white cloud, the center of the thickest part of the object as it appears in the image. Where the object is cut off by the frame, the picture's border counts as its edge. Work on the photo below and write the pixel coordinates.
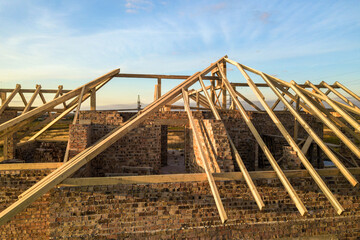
(133, 6)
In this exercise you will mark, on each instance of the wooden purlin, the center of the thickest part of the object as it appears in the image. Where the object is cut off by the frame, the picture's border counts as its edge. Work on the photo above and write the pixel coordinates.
(51, 104)
(210, 178)
(292, 143)
(70, 167)
(238, 159)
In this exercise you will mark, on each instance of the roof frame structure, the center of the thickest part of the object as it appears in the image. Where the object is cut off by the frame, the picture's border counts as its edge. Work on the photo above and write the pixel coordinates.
(213, 101)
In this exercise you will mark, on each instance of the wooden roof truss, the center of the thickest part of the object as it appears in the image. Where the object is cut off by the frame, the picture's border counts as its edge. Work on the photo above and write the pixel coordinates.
(213, 97)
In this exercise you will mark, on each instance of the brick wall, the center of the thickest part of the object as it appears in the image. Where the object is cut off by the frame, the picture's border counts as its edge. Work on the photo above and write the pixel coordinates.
(34, 221)
(246, 143)
(137, 153)
(141, 147)
(179, 210)
(41, 151)
(214, 139)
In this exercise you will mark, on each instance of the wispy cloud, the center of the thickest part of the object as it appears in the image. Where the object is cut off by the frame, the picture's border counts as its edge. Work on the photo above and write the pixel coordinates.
(171, 37)
(133, 6)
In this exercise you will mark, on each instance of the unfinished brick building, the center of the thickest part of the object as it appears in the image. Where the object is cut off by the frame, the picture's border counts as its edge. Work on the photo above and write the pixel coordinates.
(241, 174)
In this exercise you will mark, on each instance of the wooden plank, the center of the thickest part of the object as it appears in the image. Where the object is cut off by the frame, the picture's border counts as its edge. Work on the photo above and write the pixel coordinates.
(22, 97)
(322, 110)
(325, 120)
(157, 76)
(313, 135)
(293, 195)
(29, 166)
(209, 176)
(63, 114)
(66, 156)
(293, 144)
(32, 99)
(264, 84)
(93, 100)
(302, 88)
(159, 87)
(5, 90)
(11, 96)
(238, 159)
(55, 102)
(57, 94)
(195, 177)
(84, 157)
(342, 97)
(248, 101)
(296, 123)
(307, 144)
(347, 90)
(277, 101)
(3, 97)
(353, 122)
(212, 106)
(36, 126)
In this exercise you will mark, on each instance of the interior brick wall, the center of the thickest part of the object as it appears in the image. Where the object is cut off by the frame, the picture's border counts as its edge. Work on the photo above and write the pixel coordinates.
(246, 143)
(214, 140)
(41, 151)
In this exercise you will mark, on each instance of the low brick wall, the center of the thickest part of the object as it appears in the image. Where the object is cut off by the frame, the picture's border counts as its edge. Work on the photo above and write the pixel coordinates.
(41, 151)
(179, 210)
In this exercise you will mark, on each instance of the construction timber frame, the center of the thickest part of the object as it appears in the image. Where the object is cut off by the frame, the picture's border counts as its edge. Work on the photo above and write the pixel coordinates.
(213, 96)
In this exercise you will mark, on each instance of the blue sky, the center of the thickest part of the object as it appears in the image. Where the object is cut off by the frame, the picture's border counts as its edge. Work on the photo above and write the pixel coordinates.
(72, 42)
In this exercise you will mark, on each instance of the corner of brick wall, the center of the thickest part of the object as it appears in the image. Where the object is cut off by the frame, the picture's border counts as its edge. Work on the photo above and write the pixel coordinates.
(214, 140)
